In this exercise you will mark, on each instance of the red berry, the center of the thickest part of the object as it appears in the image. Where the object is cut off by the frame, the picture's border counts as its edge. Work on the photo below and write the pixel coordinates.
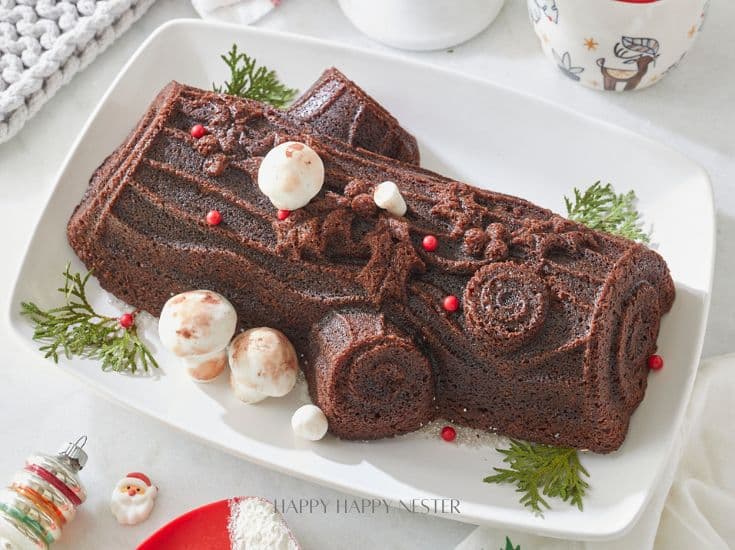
(448, 433)
(430, 243)
(283, 214)
(214, 217)
(655, 362)
(451, 303)
(197, 131)
(126, 320)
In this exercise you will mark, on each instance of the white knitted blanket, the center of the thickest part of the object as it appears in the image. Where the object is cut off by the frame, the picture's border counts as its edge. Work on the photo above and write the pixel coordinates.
(43, 43)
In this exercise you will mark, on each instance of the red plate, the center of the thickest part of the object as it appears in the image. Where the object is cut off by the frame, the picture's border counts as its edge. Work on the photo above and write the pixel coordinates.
(203, 528)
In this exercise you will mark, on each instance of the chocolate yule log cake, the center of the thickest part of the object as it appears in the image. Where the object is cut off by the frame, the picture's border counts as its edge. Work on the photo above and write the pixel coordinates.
(514, 320)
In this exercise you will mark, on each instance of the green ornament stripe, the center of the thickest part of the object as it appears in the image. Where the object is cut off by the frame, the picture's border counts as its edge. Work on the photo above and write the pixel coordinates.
(31, 523)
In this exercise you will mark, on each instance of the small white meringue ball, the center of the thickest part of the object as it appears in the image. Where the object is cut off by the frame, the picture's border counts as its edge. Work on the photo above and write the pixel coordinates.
(309, 422)
(388, 197)
(263, 363)
(290, 175)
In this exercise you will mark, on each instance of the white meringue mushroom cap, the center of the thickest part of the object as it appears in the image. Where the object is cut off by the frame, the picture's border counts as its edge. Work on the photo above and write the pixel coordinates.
(198, 322)
(245, 392)
(290, 175)
(263, 361)
(388, 197)
(309, 422)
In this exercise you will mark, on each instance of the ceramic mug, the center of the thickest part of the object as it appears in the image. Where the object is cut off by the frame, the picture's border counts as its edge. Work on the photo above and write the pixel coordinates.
(421, 24)
(616, 45)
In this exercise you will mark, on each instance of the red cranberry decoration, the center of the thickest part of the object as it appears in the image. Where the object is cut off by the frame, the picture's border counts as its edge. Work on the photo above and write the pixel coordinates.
(430, 243)
(451, 303)
(448, 433)
(283, 214)
(655, 362)
(126, 320)
(198, 131)
(214, 217)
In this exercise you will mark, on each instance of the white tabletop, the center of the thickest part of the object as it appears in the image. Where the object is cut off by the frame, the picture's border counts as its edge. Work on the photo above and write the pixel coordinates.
(692, 110)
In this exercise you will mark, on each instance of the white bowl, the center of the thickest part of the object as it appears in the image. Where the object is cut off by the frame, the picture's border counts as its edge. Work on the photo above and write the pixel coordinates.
(421, 24)
(616, 45)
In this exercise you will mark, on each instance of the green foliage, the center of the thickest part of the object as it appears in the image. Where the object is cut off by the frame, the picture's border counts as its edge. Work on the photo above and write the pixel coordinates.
(540, 471)
(600, 208)
(253, 82)
(509, 545)
(75, 329)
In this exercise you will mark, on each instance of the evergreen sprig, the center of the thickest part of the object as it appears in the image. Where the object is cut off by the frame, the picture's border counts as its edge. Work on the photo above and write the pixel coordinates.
(600, 208)
(249, 80)
(509, 545)
(76, 329)
(540, 471)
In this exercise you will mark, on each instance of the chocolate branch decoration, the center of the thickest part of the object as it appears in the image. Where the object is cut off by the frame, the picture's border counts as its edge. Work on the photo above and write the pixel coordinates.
(336, 107)
(546, 333)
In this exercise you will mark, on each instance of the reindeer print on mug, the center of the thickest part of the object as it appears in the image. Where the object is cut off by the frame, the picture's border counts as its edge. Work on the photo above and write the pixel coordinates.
(544, 8)
(641, 51)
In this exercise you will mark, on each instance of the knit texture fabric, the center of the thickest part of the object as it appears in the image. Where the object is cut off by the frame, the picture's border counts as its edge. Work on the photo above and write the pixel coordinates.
(44, 43)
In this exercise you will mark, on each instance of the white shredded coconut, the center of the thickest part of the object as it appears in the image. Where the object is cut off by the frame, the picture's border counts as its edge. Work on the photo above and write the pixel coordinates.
(255, 524)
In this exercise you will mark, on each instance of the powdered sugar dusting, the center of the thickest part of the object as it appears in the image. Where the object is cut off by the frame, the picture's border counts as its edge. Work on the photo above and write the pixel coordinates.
(301, 390)
(468, 437)
(255, 523)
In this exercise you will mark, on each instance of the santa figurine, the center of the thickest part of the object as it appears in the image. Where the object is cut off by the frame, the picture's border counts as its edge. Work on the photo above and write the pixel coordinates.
(133, 498)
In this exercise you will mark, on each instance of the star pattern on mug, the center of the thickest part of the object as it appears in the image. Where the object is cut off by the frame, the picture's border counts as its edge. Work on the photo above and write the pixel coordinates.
(591, 44)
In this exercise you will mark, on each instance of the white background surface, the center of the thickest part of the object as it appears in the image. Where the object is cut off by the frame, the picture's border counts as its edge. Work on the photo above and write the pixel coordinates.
(692, 110)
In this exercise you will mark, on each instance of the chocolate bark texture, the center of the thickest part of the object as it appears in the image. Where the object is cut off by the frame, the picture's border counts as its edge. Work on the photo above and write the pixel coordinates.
(337, 107)
(555, 323)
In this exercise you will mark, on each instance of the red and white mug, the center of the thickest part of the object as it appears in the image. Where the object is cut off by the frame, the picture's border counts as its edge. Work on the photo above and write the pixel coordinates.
(616, 45)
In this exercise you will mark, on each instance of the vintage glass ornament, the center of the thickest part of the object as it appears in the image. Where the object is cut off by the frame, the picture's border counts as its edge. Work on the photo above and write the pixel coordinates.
(42, 498)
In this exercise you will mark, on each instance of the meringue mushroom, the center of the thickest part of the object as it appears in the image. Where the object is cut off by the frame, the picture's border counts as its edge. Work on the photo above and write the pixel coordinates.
(309, 422)
(290, 175)
(388, 197)
(263, 364)
(196, 326)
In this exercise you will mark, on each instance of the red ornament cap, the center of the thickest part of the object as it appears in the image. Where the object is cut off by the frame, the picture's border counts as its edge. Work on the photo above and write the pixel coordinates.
(137, 475)
(655, 362)
(197, 131)
(448, 433)
(283, 214)
(214, 217)
(451, 303)
(126, 320)
(430, 243)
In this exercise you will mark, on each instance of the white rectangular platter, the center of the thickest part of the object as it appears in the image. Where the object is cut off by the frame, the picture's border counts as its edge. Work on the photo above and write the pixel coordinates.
(470, 130)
